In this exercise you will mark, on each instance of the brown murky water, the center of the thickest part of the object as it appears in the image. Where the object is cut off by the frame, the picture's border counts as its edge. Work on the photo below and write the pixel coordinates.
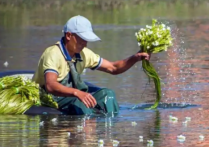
(27, 28)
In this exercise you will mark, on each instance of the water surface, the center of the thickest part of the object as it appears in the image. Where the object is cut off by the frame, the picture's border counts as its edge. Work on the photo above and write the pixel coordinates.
(27, 28)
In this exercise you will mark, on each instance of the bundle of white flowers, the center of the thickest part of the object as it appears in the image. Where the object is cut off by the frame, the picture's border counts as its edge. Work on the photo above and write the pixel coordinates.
(154, 39)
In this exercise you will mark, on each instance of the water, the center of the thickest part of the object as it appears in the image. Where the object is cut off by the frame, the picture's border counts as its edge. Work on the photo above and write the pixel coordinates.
(27, 28)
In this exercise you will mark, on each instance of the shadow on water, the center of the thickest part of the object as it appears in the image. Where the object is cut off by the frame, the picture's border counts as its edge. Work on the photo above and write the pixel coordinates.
(145, 106)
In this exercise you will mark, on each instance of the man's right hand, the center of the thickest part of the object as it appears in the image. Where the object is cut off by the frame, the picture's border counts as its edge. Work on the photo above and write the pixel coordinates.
(55, 88)
(86, 98)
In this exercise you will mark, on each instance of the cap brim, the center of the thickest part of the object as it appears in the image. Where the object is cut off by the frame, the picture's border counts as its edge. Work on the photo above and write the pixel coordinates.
(89, 36)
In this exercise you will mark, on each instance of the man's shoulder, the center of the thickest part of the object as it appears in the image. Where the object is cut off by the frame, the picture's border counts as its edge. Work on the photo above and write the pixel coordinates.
(87, 51)
(53, 48)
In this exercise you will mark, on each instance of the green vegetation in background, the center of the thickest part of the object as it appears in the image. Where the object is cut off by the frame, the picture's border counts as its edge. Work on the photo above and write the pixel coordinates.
(46, 12)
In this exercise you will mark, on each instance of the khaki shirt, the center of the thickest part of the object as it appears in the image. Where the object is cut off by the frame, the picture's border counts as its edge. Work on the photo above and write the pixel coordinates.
(53, 60)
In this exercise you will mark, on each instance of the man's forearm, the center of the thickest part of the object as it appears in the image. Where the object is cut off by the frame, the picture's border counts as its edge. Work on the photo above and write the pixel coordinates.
(123, 65)
(58, 89)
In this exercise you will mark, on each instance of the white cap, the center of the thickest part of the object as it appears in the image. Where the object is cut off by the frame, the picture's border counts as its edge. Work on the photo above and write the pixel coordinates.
(82, 27)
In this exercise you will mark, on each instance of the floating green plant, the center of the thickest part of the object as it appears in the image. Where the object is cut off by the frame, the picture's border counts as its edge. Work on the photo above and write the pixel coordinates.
(18, 94)
(154, 39)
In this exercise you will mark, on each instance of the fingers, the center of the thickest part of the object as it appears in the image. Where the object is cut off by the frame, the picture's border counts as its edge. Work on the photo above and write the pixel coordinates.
(92, 100)
(86, 103)
(146, 56)
(89, 101)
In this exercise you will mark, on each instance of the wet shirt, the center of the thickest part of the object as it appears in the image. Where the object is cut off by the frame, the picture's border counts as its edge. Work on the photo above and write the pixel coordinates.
(54, 60)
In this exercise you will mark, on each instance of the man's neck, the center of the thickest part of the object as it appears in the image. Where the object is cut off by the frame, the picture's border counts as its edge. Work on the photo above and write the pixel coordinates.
(72, 54)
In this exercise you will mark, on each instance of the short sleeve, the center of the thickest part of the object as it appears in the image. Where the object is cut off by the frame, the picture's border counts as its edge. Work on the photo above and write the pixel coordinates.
(50, 61)
(91, 59)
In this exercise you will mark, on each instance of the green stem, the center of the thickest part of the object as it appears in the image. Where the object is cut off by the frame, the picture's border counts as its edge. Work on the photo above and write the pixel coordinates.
(151, 73)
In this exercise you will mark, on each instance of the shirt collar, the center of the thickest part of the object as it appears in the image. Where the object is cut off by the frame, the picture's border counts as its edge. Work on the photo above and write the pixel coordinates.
(66, 54)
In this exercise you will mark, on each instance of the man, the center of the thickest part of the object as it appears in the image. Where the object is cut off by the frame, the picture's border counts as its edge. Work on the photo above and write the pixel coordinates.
(60, 66)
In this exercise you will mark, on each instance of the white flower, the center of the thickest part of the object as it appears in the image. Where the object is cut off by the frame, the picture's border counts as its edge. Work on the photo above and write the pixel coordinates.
(181, 138)
(139, 44)
(185, 123)
(188, 118)
(142, 29)
(149, 27)
(100, 141)
(80, 128)
(150, 142)
(173, 119)
(133, 123)
(168, 28)
(6, 64)
(41, 123)
(54, 120)
(115, 142)
(156, 43)
(163, 29)
(68, 134)
(201, 137)
(140, 36)
(158, 35)
(163, 25)
(150, 32)
(136, 34)
(148, 47)
(140, 138)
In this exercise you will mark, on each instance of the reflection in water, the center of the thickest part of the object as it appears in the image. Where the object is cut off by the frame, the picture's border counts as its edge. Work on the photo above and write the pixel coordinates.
(28, 27)
(19, 130)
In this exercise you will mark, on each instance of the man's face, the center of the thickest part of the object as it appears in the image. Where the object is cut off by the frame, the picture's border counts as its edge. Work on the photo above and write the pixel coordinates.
(77, 43)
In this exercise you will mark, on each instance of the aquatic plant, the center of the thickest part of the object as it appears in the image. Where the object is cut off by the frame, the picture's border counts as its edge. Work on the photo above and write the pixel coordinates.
(150, 143)
(18, 94)
(173, 118)
(79, 128)
(140, 138)
(41, 123)
(185, 123)
(201, 137)
(6, 64)
(115, 142)
(100, 142)
(133, 123)
(188, 118)
(153, 39)
(181, 138)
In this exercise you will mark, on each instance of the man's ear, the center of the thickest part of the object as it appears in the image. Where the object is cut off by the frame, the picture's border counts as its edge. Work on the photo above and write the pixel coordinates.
(68, 36)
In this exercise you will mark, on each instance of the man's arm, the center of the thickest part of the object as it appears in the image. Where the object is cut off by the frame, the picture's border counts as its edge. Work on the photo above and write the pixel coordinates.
(121, 66)
(57, 89)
